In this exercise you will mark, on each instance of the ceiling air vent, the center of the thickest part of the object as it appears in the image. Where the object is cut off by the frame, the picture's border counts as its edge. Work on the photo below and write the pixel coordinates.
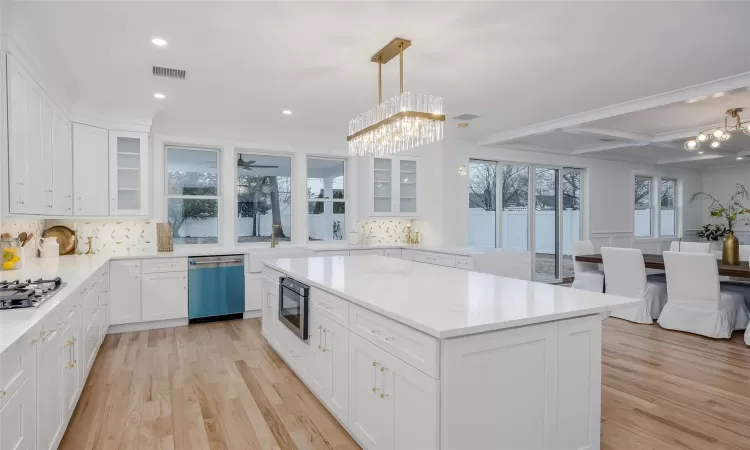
(169, 73)
(466, 117)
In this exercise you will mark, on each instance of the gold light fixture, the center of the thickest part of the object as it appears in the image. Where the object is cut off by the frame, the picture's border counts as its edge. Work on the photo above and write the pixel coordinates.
(400, 123)
(721, 134)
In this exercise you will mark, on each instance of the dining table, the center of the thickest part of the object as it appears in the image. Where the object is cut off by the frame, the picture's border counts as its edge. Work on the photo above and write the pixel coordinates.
(742, 270)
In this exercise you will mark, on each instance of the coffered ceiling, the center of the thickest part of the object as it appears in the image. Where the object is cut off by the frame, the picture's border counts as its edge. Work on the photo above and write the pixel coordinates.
(515, 64)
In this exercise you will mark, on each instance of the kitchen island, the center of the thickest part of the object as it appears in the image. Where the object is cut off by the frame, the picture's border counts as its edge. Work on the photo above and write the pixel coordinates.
(415, 356)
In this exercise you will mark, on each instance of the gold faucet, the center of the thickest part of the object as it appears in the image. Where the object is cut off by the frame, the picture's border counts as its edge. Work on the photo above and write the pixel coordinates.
(274, 242)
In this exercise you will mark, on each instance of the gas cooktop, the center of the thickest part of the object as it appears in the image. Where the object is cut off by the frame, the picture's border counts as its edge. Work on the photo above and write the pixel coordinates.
(27, 293)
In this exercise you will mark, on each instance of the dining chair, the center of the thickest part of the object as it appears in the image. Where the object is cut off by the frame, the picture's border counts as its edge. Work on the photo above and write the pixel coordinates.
(744, 252)
(588, 276)
(696, 303)
(693, 247)
(625, 275)
(512, 264)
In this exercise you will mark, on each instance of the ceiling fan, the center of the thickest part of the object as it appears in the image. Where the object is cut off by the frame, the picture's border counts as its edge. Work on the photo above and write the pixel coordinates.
(250, 165)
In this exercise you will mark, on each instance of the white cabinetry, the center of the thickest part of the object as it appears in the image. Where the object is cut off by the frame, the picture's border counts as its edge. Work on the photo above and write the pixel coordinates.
(330, 371)
(40, 179)
(124, 292)
(18, 419)
(90, 167)
(270, 308)
(253, 291)
(393, 405)
(164, 296)
(394, 186)
(49, 409)
(128, 173)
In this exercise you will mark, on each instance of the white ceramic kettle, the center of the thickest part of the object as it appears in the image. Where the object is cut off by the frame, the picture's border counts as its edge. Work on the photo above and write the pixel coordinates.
(48, 247)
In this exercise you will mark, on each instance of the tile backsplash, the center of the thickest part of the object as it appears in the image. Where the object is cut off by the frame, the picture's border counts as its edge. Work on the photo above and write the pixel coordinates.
(112, 236)
(14, 226)
(385, 231)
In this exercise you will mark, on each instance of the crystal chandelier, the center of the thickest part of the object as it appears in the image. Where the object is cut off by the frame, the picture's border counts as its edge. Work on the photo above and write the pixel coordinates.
(400, 123)
(714, 137)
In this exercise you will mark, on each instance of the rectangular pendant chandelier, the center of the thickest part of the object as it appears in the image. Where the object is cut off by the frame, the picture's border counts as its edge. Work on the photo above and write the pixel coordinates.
(403, 122)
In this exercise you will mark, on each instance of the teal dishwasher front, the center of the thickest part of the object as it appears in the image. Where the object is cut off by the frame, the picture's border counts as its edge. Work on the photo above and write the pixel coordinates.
(216, 288)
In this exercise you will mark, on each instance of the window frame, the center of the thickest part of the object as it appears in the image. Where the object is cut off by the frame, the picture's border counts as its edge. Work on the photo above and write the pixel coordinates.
(343, 200)
(217, 197)
(652, 214)
(655, 203)
(234, 201)
(675, 206)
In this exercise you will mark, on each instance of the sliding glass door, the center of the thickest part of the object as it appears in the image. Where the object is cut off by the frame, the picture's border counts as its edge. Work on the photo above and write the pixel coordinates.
(527, 207)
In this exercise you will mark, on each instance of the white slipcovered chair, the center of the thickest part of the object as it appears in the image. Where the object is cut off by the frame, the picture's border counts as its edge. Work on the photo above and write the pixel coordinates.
(692, 247)
(588, 276)
(744, 252)
(625, 275)
(696, 303)
(512, 264)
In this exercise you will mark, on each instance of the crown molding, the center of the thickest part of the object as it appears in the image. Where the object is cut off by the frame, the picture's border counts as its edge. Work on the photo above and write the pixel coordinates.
(680, 95)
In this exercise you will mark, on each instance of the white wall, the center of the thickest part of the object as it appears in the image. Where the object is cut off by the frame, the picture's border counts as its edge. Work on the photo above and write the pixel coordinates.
(721, 183)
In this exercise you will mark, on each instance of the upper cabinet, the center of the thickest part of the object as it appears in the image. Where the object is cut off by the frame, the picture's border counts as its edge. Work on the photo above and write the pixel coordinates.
(128, 170)
(394, 186)
(39, 152)
(90, 167)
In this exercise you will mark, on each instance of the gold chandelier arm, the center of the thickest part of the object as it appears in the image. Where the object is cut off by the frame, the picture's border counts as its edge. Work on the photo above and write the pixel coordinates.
(401, 67)
(380, 81)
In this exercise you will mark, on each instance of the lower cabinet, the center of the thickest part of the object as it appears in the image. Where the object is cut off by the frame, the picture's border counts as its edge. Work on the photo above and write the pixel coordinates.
(125, 291)
(49, 407)
(270, 308)
(329, 376)
(71, 377)
(164, 296)
(18, 419)
(392, 405)
(254, 295)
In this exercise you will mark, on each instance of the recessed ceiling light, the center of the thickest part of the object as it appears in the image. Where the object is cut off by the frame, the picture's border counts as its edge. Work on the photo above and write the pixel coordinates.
(159, 42)
(700, 153)
(739, 158)
(286, 112)
(159, 95)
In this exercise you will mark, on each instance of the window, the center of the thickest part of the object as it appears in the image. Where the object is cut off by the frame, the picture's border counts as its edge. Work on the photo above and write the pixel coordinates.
(264, 197)
(482, 203)
(326, 199)
(667, 211)
(643, 217)
(193, 195)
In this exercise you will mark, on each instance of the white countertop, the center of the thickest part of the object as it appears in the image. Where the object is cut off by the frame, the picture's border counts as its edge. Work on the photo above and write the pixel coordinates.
(441, 301)
(74, 270)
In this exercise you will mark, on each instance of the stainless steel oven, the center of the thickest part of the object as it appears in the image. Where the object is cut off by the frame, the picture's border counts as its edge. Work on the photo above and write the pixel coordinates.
(294, 300)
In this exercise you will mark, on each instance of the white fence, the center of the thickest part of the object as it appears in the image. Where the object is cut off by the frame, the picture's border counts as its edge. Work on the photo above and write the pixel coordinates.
(667, 224)
(515, 230)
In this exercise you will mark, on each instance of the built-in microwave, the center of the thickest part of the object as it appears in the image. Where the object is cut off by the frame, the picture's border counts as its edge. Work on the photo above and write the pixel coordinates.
(294, 300)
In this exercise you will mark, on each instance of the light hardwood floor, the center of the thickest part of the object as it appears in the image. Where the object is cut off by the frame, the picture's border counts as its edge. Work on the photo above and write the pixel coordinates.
(220, 386)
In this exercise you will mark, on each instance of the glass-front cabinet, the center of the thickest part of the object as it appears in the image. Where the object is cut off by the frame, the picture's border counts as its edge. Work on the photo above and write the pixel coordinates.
(128, 174)
(395, 186)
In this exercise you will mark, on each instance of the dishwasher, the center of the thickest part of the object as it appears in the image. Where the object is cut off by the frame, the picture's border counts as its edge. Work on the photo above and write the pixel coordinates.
(216, 288)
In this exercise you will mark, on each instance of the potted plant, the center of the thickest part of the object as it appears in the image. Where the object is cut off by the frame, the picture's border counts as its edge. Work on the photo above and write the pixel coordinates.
(712, 233)
(727, 212)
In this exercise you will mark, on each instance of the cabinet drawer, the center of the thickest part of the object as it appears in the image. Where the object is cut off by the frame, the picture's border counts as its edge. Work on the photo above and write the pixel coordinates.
(416, 348)
(164, 265)
(335, 308)
(272, 274)
(17, 362)
(465, 262)
(367, 252)
(393, 253)
(434, 258)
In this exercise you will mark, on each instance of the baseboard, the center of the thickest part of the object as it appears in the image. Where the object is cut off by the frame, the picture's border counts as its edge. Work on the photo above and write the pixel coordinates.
(141, 326)
(252, 314)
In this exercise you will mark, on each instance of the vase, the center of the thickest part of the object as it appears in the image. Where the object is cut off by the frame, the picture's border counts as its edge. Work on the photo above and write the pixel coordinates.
(731, 251)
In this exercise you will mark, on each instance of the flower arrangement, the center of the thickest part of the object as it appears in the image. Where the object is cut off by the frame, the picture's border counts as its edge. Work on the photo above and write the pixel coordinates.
(726, 211)
(713, 233)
